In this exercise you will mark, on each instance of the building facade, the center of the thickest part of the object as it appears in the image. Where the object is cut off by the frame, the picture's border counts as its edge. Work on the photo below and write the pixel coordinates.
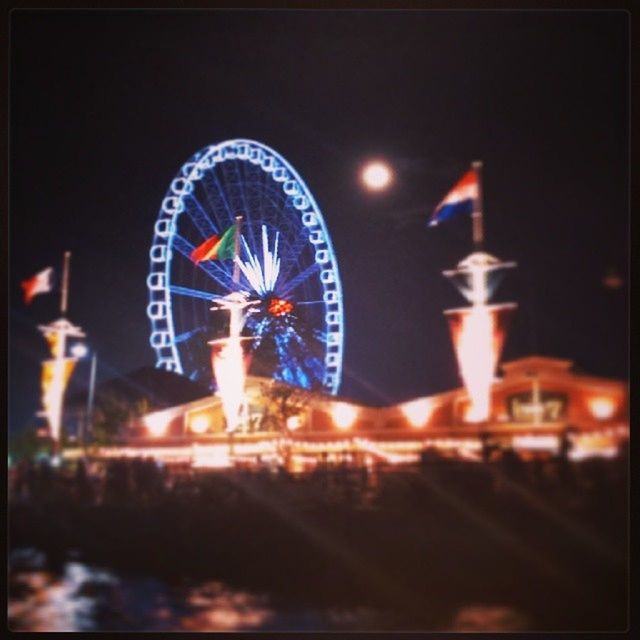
(537, 405)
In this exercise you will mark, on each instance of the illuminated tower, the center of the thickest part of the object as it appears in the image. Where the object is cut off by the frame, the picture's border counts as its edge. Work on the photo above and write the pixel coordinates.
(57, 370)
(228, 359)
(478, 332)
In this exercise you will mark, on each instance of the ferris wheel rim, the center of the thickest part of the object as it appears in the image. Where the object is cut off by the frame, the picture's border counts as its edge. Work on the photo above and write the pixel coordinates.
(194, 170)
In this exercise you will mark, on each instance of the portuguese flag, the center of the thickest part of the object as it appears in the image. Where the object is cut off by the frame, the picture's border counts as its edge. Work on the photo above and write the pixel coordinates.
(216, 247)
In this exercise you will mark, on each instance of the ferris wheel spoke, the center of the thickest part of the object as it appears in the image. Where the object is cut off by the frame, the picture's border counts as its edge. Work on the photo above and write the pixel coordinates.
(193, 293)
(220, 201)
(224, 279)
(258, 330)
(290, 261)
(290, 370)
(246, 210)
(221, 192)
(297, 368)
(298, 280)
(182, 245)
(200, 219)
(320, 336)
(188, 334)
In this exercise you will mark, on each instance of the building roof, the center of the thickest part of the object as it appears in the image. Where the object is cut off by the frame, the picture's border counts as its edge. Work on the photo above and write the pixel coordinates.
(534, 365)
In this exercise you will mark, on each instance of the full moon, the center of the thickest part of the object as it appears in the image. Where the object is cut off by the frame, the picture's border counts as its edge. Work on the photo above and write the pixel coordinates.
(376, 176)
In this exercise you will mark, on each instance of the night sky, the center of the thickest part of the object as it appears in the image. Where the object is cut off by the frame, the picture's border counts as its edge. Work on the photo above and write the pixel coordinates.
(106, 106)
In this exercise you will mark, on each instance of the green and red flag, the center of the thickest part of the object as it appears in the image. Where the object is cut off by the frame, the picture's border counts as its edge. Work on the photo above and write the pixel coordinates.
(216, 247)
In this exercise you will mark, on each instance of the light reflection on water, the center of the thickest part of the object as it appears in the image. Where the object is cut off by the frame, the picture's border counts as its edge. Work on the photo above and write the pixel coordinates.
(85, 598)
(217, 608)
(489, 618)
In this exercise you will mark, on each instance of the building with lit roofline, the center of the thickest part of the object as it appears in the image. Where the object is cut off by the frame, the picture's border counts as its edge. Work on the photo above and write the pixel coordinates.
(537, 402)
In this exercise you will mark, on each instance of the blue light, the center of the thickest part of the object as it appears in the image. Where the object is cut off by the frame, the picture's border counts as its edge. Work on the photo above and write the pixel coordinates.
(245, 177)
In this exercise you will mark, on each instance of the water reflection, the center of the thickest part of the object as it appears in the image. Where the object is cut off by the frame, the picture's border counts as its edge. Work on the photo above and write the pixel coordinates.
(220, 609)
(84, 598)
(81, 597)
(494, 618)
(42, 601)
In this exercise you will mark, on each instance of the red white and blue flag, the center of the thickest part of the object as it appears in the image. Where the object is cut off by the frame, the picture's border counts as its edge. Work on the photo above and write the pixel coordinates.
(460, 199)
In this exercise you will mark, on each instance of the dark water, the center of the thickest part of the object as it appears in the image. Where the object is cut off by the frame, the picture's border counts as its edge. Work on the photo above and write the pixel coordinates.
(80, 597)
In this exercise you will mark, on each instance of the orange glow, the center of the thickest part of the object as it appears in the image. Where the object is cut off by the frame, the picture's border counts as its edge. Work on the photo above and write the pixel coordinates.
(380, 452)
(199, 424)
(468, 413)
(211, 457)
(279, 307)
(55, 376)
(602, 408)
(545, 443)
(344, 415)
(583, 454)
(156, 424)
(217, 608)
(417, 412)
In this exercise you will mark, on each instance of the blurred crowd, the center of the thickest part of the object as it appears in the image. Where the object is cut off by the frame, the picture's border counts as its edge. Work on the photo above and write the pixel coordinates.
(146, 481)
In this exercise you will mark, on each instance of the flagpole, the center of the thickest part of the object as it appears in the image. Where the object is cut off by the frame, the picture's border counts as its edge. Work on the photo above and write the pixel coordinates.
(65, 283)
(236, 252)
(476, 216)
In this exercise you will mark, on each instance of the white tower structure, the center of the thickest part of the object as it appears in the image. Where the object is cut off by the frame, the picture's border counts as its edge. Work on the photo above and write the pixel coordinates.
(478, 332)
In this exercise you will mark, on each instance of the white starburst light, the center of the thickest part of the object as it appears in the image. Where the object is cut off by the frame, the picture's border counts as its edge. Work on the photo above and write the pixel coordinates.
(262, 276)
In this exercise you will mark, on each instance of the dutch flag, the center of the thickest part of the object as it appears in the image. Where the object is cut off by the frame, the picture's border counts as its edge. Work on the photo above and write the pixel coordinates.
(460, 198)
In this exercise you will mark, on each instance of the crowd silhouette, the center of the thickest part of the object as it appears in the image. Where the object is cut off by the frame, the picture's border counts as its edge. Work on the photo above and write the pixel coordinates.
(544, 535)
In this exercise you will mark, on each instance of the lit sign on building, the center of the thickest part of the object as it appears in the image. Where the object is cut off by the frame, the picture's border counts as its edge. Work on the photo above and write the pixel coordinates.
(549, 407)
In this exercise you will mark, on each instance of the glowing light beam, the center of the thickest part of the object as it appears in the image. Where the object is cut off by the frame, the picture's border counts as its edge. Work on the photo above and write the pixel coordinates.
(228, 361)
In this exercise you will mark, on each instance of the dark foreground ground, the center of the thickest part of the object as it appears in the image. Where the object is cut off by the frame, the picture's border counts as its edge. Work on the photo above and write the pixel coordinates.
(548, 539)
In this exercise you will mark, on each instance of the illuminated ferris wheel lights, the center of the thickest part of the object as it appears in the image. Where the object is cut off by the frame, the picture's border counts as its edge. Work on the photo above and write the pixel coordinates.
(284, 246)
(261, 277)
(279, 307)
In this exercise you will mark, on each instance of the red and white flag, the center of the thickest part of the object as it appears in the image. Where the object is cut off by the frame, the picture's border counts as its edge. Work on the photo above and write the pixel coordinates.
(40, 283)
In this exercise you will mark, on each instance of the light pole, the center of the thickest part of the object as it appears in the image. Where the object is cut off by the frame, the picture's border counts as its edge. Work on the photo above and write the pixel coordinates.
(89, 419)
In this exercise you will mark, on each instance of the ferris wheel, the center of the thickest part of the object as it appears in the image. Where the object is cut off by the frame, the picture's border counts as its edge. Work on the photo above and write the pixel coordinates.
(287, 265)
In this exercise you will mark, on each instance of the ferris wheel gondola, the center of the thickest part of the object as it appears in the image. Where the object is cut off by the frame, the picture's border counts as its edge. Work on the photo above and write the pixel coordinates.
(287, 266)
